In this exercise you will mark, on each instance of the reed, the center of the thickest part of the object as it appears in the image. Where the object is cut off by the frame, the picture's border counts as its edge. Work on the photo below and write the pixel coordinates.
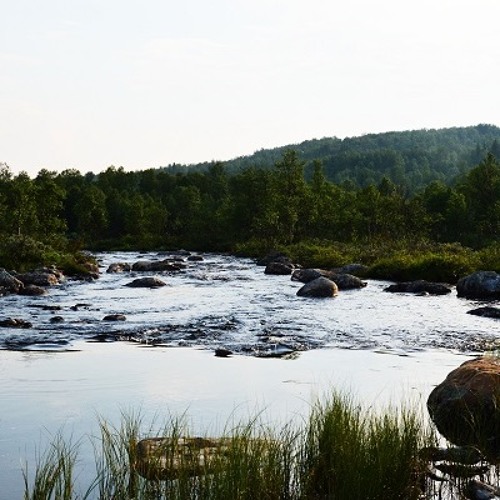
(340, 451)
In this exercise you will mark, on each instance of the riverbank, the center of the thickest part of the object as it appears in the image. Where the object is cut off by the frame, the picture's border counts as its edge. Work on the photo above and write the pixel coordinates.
(45, 392)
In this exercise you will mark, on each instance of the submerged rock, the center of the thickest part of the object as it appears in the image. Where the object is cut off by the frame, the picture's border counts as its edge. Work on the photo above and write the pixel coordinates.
(479, 285)
(419, 287)
(32, 290)
(320, 287)
(158, 265)
(487, 311)
(149, 282)
(15, 323)
(466, 406)
(114, 317)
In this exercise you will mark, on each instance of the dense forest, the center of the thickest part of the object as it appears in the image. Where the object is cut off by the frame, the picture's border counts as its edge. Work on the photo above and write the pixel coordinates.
(223, 209)
(410, 159)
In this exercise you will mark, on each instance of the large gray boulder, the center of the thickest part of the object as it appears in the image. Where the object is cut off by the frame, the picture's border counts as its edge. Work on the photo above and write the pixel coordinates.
(39, 278)
(480, 285)
(149, 282)
(466, 406)
(119, 267)
(320, 287)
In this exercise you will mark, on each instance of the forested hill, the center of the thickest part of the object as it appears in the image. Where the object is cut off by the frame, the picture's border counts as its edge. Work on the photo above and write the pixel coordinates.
(412, 158)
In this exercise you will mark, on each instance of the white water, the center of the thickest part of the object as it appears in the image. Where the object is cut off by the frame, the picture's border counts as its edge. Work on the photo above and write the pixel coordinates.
(381, 347)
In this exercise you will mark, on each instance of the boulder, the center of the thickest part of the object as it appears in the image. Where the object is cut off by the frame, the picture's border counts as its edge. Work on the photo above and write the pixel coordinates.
(279, 268)
(346, 281)
(486, 311)
(320, 287)
(343, 281)
(39, 278)
(465, 407)
(119, 267)
(9, 282)
(149, 282)
(15, 323)
(56, 319)
(32, 291)
(479, 285)
(114, 317)
(195, 258)
(157, 265)
(419, 287)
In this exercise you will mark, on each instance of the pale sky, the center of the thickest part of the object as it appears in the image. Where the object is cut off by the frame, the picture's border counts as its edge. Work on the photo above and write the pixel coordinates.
(91, 83)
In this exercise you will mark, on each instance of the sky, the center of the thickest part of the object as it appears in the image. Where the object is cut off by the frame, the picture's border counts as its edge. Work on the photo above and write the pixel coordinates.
(87, 84)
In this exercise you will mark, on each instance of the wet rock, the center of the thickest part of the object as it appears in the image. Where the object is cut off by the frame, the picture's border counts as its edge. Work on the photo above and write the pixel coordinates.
(57, 319)
(149, 282)
(119, 267)
(9, 282)
(157, 266)
(466, 455)
(465, 407)
(114, 317)
(307, 275)
(346, 281)
(223, 353)
(79, 306)
(32, 290)
(15, 323)
(419, 287)
(343, 281)
(195, 258)
(320, 287)
(477, 490)
(166, 458)
(479, 285)
(279, 268)
(39, 278)
(488, 312)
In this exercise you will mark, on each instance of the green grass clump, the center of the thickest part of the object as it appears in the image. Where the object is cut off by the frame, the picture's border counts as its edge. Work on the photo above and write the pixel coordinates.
(356, 454)
(340, 452)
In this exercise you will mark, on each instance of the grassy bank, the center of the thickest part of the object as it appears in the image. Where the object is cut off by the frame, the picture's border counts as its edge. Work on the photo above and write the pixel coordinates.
(398, 260)
(341, 451)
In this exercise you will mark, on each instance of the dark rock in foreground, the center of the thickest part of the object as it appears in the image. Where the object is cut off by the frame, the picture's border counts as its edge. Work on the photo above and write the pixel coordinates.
(465, 407)
(320, 287)
(419, 286)
(149, 282)
(488, 312)
(480, 285)
(15, 323)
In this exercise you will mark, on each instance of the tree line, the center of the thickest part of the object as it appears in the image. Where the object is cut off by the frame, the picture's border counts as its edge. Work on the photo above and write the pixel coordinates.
(218, 211)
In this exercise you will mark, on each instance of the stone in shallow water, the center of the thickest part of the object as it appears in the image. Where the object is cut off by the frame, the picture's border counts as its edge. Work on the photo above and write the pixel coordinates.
(320, 287)
(466, 406)
(149, 282)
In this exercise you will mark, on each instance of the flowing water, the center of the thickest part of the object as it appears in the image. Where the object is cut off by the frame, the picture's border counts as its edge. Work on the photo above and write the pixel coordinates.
(383, 347)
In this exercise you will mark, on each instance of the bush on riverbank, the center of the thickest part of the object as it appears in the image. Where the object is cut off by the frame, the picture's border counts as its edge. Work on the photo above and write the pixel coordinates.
(341, 452)
(22, 253)
(398, 261)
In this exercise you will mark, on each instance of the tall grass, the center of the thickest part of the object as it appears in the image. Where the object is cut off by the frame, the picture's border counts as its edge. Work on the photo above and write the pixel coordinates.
(341, 451)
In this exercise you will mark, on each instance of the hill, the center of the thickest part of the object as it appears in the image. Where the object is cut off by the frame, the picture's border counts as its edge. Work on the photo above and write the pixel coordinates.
(411, 158)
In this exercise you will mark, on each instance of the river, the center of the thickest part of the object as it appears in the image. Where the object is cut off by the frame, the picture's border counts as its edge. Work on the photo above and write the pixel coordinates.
(160, 361)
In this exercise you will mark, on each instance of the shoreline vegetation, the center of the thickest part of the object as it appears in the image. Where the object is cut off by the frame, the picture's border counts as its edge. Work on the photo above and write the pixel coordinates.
(341, 451)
